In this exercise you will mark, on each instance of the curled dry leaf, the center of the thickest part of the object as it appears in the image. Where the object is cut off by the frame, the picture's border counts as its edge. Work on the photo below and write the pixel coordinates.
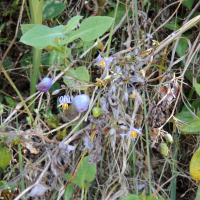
(60, 158)
(30, 147)
(38, 191)
(155, 116)
(86, 142)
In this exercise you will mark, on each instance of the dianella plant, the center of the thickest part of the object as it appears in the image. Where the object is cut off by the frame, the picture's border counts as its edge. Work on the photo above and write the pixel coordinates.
(57, 39)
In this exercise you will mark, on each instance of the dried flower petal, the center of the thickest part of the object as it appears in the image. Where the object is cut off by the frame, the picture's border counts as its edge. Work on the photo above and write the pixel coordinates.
(126, 96)
(149, 35)
(117, 69)
(136, 51)
(44, 85)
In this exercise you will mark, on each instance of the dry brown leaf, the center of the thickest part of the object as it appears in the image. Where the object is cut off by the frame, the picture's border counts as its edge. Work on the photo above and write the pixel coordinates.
(60, 158)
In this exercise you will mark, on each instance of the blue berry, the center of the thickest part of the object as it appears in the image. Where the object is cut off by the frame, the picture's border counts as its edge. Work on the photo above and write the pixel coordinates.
(81, 102)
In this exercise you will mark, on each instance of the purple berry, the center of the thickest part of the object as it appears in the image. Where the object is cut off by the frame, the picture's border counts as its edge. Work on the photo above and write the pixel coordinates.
(81, 102)
(44, 85)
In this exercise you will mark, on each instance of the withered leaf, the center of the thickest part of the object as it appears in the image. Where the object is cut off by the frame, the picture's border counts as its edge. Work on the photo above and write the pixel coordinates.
(60, 158)
(38, 190)
(86, 142)
(95, 154)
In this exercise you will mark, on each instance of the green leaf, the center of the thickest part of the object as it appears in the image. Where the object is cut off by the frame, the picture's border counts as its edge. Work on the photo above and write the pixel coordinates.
(192, 127)
(196, 103)
(73, 22)
(197, 87)
(85, 174)
(92, 28)
(26, 60)
(188, 4)
(120, 13)
(145, 2)
(5, 157)
(181, 48)
(68, 192)
(185, 116)
(81, 74)
(27, 27)
(10, 101)
(172, 26)
(52, 8)
(198, 112)
(45, 59)
(131, 197)
(42, 36)
(1, 97)
(54, 87)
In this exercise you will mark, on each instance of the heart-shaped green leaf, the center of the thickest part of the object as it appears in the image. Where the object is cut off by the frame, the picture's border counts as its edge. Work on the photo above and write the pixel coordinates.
(42, 36)
(77, 78)
(85, 174)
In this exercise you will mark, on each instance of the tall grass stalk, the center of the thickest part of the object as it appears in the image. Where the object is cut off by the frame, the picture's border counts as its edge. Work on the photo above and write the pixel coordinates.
(36, 8)
(21, 169)
(147, 139)
(174, 168)
(111, 30)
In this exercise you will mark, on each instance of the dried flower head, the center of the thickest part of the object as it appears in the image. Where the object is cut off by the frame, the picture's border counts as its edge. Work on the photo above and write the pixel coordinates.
(64, 101)
(103, 62)
(44, 85)
(132, 133)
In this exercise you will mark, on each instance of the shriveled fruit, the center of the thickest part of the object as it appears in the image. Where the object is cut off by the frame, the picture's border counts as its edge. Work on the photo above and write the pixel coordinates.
(195, 166)
(96, 111)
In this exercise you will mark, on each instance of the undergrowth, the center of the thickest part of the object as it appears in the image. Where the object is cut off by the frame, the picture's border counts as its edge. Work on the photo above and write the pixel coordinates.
(99, 99)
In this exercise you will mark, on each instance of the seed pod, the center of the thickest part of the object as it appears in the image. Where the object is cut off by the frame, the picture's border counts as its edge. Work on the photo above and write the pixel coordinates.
(195, 166)
(169, 138)
(81, 102)
(164, 148)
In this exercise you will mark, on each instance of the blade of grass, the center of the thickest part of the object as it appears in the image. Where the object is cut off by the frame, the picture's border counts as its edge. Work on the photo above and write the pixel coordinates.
(111, 30)
(147, 139)
(174, 168)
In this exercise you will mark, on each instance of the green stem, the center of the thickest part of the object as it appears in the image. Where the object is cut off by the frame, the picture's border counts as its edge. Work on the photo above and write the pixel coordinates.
(34, 75)
(198, 193)
(36, 8)
(111, 30)
(82, 193)
(174, 168)
(147, 139)
(136, 17)
(21, 168)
